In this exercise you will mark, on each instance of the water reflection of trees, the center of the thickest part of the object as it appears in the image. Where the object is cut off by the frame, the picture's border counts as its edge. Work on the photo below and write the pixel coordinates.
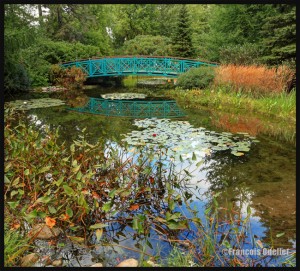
(238, 180)
(71, 124)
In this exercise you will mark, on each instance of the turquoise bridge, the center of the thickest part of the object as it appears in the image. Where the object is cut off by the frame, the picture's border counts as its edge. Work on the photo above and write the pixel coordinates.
(136, 65)
(131, 108)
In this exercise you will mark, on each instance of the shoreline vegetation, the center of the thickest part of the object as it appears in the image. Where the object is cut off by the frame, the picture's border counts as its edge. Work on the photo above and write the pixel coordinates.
(76, 192)
(31, 197)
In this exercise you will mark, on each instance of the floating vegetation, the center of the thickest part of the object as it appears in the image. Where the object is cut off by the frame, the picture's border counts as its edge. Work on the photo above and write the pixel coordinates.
(182, 141)
(35, 103)
(123, 96)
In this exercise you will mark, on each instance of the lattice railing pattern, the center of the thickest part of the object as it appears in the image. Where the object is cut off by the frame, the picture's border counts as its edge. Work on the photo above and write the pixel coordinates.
(113, 66)
(134, 109)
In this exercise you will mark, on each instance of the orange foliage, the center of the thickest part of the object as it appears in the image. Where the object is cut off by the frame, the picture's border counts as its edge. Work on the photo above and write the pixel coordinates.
(260, 79)
(50, 222)
(133, 207)
(235, 124)
(64, 217)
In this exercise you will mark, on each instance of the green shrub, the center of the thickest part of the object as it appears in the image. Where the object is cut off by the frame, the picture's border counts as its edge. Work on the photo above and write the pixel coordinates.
(15, 77)
(39, 57)
(196, 77)
(241, 54)
(147, 45)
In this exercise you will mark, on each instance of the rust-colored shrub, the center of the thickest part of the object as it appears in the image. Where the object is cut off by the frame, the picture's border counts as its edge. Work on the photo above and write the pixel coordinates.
(254, 79)
(71, 79)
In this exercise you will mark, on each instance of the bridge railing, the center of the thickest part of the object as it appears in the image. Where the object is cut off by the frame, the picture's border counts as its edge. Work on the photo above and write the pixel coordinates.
(141, 56)
(133, 109)
(170, 67)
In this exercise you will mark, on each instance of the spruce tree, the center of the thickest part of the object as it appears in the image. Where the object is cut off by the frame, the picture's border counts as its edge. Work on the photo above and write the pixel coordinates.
(182, 38)
(279, 35)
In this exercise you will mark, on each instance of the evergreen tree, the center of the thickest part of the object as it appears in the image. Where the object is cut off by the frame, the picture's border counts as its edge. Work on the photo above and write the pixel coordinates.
(182, 38)
(279, 35)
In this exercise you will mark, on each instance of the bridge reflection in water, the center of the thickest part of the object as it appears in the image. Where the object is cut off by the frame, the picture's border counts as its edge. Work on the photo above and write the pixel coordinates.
(132, 108)
(136, 65)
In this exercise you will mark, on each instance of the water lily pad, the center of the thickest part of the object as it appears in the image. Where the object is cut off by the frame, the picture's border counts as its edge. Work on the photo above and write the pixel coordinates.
(35, 103)
(237, 153)
(182, 139)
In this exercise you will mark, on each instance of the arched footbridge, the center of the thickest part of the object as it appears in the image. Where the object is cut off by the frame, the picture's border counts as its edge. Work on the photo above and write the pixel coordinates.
(136, 65)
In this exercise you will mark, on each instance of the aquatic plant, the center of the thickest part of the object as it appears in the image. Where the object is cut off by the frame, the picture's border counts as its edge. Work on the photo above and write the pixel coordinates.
(35, 103)
(180, 140)
(89, 190)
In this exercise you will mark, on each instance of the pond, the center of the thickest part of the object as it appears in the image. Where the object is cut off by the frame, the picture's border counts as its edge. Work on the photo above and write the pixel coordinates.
(262, 180)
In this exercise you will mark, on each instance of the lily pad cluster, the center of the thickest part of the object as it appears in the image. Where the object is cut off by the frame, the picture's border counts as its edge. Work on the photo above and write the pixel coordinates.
(183, 141)
(123, 96)
(35, 103)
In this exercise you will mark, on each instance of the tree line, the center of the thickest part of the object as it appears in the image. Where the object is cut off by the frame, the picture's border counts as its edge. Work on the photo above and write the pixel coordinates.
(39, 35)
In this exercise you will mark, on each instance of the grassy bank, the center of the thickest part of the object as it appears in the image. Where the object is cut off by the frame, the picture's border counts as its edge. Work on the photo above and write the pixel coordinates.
(274, 114)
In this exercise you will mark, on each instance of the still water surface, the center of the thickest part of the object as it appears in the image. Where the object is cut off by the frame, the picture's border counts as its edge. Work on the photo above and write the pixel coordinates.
(263, 179)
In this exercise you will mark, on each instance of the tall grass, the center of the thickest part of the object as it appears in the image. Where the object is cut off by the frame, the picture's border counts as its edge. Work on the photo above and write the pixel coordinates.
(254, 79)
(271, 114)
(15, 243)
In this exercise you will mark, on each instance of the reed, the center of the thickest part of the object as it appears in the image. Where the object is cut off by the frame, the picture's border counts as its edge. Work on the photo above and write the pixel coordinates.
(254, 79)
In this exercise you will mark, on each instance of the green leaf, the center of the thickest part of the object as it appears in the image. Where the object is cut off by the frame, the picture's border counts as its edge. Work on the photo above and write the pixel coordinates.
(6, 180)
(21, 192)
(99, 233)
(79, 175)
(82, 201)
(237, 153)
(59, 181)
(68, 190)
(149, 244)
(226, 244)
(66, 159)
(72, 148)
(280, 234)
(125, 193)
(197, 220)
(74, 170)
(52, 210)
(194, 158)
(107, 206)
(76, 239)
(16, 181)
(74, 163)
(69, 212)
(173, 225)
(26, 172)
(171, 204)
(207, 210)
(135, 225)
(44, 199)
(248, 210)
(44, 169)
(14, 192)
(32, 214)
(112, 193)
(98, 226)
(199, 163)
(13, 204)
